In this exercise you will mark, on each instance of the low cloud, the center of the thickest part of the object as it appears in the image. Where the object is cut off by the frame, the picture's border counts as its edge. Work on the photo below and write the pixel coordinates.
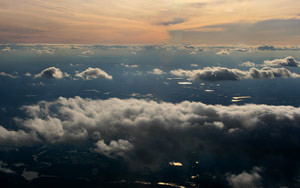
(129, 66)
(248, 64)
(288, 61)
(223, 73)
(245, 179)
(93, 73)
(8, 75)
(274, 48)
(87, 53)
(4, 169)
(51, 72)
(223, 52)
(156, 71)
(44, 50)
(147, 133)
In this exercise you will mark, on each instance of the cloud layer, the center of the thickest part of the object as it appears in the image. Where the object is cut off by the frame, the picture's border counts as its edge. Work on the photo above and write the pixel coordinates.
(147, 132)
(223, 73)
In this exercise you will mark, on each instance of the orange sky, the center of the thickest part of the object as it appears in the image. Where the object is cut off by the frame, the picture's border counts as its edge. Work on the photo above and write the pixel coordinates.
(136, 21)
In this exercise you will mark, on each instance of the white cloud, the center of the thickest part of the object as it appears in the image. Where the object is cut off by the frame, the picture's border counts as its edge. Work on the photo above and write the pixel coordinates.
(129, 127)
(93, 73)
(44, 50)
(8, 75)
(156, 71)
(27, 74)
(223, 52)
(129, 66)
(223, 73)
(87, 53)
(51, 72)
(248, 64)
(114, 148)
(245, 179)
(288, 61)
(7, 49)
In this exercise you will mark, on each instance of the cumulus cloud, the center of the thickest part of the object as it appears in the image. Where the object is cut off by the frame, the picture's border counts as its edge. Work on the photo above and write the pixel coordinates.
(223, 52)
(51, 72)
(44, 50)
(156, 71)
(114, 148)
(93, 73)
(7, 49)
(8, 75)
(87, 53)
(248, 64)
(147, 132)
(223, 73)
(245, 179)
(288, 61)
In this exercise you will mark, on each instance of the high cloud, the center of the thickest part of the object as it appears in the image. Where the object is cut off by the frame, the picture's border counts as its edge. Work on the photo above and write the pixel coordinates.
(223, 73)
(147, 132)
(51, 72)
(93, 73)
(288, 61)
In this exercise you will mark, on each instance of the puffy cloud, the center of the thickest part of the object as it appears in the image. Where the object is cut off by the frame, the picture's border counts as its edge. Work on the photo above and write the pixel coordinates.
(245, 179)
(51, 72)
(156, 71)
(223, 52)
(87, 53)
(248, 64)
(288, 61)
(93, 73)
(147, 132)
(114, 148)
(16, 138)
(7, 49)
(223, 73)
(8, 75)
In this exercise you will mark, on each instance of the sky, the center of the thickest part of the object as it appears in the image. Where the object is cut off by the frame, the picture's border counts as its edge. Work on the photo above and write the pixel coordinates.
(150, 22)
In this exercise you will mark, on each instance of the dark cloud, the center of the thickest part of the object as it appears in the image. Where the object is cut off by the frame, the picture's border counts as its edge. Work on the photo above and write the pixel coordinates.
(173, 22)
(146, 133)
(274, 48)
(52, 72)
(93, 73)
(223, 73)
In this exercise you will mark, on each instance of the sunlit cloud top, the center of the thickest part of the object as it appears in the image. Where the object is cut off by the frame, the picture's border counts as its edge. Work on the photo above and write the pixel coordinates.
(150, 22)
